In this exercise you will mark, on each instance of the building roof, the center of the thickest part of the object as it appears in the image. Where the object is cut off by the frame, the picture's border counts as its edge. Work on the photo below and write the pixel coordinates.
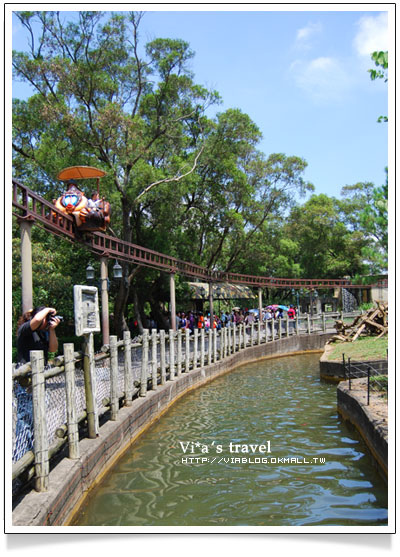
(221, 291)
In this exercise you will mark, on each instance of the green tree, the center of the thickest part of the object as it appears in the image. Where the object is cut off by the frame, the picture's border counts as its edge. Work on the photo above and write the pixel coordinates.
(365, 209)
(381, 62)
(98, 102)
(327, 247)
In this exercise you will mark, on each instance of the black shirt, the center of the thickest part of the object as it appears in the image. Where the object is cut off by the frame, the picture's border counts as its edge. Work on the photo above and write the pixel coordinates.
(28, 340)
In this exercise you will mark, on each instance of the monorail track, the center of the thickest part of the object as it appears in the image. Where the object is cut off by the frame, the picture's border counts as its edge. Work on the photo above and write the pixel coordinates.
(28, 205)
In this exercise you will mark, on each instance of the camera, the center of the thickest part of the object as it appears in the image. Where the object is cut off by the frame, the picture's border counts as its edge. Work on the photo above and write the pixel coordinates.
(52, 317)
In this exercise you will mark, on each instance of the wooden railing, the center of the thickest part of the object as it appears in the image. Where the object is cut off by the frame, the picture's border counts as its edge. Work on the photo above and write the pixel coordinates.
(65, 393)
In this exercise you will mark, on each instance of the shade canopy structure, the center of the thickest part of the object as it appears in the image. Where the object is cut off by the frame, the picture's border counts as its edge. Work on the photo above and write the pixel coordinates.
(221, 291)
(80, 173)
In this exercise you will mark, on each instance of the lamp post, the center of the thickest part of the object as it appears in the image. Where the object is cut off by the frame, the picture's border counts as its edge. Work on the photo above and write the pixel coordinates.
(218, 292)
(210, 301)
(295, 293)
(313, 296)
(316, 296)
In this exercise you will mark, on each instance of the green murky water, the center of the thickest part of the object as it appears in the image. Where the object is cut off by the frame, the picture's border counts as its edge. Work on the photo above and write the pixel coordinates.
(283, 402)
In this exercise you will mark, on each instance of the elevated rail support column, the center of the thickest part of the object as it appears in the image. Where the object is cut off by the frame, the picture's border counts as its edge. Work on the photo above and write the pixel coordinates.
(26, 262)
(210, 300)
(172, 301)
(105, 322)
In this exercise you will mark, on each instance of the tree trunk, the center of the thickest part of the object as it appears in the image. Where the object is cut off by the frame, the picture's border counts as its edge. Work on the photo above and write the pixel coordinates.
(159, 316)
(121, 300)
(137, 311)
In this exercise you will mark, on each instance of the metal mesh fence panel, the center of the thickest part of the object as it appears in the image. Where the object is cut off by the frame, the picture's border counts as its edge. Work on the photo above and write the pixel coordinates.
(22, 421)
(102, 370)
(136, 359)
(55, 405)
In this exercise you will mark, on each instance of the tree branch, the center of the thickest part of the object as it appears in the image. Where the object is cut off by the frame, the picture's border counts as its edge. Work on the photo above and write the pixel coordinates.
(22, 152)
(174, 179)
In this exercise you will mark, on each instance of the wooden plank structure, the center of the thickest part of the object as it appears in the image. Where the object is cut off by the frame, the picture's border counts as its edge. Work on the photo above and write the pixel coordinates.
(374, 322)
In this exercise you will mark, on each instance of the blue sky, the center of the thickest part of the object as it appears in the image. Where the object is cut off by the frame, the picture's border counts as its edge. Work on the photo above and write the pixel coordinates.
(300, 75)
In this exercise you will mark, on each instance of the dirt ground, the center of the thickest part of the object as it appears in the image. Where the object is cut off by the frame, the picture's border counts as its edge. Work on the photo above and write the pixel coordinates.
(377, 409)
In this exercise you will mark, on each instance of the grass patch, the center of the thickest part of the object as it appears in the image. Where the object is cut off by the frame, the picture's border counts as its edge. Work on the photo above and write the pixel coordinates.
(363, 349)
(379, 383)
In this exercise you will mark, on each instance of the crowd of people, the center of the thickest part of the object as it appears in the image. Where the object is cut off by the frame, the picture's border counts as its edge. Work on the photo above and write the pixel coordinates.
(199, 320)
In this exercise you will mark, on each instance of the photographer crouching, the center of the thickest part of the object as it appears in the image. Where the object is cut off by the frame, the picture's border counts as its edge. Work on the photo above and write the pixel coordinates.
(36, 331)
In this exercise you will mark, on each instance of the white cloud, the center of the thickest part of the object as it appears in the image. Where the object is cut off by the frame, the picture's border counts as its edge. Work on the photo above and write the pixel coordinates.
(307, 32)
(324, 79)
(372, 34)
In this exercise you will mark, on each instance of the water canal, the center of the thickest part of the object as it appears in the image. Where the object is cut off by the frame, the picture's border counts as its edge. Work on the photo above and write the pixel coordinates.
(191, 468)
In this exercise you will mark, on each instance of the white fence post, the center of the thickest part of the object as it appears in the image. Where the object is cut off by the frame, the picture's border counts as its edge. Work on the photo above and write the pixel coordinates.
(41, 443)
(145, 363)
(171, 355)
(114, 377)
(210, 339)
(162, 358)
(128, 378)
(202, 347)
(154, 359)
(89, 371)
(179, 355)
(195, 347)
(187, 350)
(72, 420)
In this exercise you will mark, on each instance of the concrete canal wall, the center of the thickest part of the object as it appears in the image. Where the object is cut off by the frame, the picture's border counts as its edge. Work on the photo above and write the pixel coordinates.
(370, 420)
(71, 480)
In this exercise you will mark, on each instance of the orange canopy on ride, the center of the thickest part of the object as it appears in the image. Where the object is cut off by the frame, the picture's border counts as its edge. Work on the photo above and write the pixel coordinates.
(80, 172)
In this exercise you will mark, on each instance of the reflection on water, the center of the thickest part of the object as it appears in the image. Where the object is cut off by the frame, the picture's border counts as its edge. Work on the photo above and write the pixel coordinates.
(282, 401)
